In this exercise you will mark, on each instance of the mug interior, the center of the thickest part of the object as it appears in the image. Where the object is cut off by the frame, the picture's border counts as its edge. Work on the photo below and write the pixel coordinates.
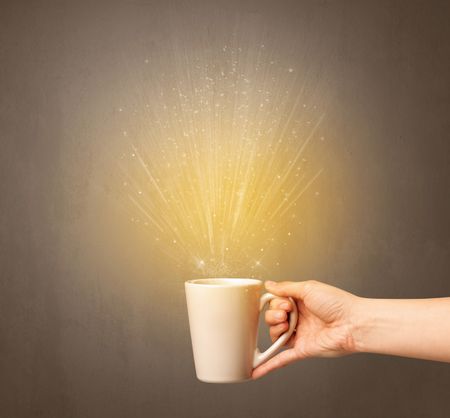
(224, 282)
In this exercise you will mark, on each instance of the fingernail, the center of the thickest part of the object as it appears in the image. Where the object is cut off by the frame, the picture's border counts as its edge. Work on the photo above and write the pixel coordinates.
(279, 315)
(285, 305)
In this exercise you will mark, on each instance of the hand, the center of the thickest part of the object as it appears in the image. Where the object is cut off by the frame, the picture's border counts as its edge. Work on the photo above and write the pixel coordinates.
(324, 327)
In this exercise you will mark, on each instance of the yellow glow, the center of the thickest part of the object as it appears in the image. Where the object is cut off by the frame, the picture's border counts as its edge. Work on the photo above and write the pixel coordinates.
(217, 154)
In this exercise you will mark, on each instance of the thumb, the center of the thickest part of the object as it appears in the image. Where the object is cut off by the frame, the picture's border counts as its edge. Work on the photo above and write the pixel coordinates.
(285, 289)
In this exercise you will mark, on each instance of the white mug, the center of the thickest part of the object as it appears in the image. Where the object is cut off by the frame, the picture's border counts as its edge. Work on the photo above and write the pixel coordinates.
(223, 319)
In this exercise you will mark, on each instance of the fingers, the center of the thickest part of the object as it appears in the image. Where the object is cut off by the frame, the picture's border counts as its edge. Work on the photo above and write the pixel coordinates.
(277, 330)
(297, 290)
(277, 317)
(281, 303)
(274, 317)
(280, 360)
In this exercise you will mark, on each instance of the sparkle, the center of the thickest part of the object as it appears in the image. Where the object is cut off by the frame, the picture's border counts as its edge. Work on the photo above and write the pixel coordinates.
(218, 154)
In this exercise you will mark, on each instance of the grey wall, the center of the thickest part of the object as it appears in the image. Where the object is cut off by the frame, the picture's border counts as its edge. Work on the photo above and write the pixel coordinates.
(92, 325)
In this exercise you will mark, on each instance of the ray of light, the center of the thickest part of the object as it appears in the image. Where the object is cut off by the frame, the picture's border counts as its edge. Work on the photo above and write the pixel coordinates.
(216, 152)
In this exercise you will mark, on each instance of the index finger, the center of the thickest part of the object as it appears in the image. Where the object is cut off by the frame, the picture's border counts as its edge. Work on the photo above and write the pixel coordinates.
(281, 303)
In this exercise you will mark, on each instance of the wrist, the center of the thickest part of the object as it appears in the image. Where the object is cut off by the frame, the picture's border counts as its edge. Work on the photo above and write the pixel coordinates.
(363, 322)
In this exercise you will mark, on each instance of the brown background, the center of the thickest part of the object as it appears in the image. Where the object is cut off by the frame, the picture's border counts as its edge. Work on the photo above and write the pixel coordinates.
(90, 328)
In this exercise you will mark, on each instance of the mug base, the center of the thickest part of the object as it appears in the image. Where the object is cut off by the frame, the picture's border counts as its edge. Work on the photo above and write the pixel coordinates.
(224, 380)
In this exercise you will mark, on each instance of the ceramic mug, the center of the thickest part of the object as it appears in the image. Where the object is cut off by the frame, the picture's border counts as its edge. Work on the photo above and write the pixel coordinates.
(223, 319)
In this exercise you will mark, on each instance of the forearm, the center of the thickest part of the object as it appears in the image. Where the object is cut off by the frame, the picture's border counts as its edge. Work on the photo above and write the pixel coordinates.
(418, 328)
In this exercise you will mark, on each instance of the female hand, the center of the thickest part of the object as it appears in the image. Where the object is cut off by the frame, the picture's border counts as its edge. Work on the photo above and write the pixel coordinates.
(324, 327)
(333, 322)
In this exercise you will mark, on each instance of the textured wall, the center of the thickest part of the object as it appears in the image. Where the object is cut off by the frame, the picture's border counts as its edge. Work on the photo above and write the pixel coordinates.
(92, 326)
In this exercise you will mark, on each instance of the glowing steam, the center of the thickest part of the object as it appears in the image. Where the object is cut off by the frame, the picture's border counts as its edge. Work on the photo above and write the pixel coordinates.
(216, 158)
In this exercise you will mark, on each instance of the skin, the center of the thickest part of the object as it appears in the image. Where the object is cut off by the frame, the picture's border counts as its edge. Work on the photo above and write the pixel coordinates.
(333, 323)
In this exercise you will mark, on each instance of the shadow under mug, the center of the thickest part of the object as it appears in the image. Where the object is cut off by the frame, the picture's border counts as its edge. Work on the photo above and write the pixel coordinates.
(223, 320)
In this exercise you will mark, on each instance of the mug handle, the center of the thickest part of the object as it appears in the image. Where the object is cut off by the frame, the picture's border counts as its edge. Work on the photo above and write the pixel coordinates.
(259, 358)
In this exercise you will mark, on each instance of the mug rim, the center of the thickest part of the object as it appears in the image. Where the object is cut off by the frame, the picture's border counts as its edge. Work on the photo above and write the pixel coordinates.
(224, 282)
